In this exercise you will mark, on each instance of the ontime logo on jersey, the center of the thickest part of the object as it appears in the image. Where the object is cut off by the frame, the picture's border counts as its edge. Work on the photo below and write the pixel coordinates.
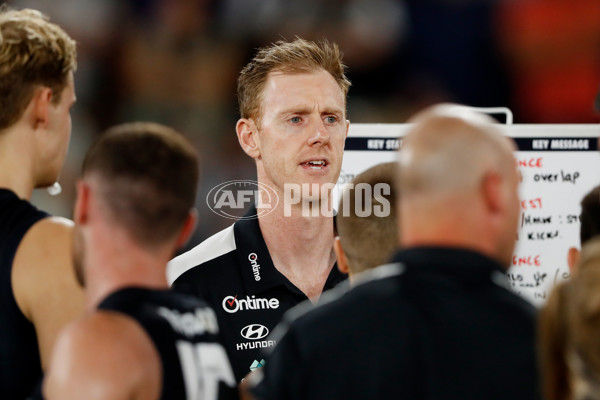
(232, 304)
(230, 199)
(254, 332)
(253, 258)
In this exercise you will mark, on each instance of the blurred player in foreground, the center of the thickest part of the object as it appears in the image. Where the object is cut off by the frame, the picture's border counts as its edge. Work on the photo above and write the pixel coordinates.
(139, 340)
(39, 293)
(367, 221)
(568, 332)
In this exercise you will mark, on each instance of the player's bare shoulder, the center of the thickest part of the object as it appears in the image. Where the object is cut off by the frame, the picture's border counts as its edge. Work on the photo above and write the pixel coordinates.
(46, 244)
(43, 264)
(101, 348)
(43, 280)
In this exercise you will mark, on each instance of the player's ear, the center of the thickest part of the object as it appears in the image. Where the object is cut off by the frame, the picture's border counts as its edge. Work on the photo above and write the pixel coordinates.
(80, 213)
(493, 190)
(188, 228)
(342, 261)
(347, 127)
(247, 133)
(573, 260)
(42, 100)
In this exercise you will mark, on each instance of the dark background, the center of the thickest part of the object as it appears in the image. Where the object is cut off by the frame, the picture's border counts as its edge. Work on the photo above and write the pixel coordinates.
(176, 62)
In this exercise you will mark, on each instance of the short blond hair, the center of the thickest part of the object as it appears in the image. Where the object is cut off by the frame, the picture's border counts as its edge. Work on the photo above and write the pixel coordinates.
(369, 241)
(33, 51)
(296, 57)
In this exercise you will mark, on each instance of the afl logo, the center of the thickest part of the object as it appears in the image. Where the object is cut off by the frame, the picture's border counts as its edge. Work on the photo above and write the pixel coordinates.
(254, 332)
(230, 199)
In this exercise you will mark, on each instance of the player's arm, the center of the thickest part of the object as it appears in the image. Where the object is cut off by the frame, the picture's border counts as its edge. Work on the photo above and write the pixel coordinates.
(104, 356)
(44, 283)
(245, 386)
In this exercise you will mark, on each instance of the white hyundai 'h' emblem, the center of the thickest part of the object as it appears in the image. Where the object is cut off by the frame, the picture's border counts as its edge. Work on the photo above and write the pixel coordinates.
(254, 332)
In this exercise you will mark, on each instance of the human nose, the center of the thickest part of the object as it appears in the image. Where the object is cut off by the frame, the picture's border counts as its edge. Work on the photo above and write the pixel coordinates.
(320, 135)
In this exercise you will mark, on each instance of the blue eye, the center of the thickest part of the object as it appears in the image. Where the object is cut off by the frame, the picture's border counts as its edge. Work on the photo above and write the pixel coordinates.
(331, 119)
(295, 120)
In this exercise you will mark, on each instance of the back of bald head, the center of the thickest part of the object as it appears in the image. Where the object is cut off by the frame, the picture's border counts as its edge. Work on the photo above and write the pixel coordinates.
(448, 150)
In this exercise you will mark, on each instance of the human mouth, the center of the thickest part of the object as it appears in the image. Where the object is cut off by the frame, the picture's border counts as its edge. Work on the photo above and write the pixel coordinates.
(317, 164)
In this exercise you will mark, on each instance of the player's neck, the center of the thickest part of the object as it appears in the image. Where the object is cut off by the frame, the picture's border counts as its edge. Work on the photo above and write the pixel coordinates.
(113, 263)
(16, 163)
(296, 232)
(464, 228)
(301, 248)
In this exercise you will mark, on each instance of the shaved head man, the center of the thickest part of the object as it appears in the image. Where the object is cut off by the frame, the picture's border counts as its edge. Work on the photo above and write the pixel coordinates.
(439, 322)
(455, 159)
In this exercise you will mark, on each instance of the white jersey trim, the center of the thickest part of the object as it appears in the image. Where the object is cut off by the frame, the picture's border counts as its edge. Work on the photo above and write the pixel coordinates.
(380, 272)
(372, 274)
(215, 246)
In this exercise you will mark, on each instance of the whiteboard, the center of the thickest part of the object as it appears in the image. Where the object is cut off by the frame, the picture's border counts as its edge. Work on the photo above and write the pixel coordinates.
(559, 164)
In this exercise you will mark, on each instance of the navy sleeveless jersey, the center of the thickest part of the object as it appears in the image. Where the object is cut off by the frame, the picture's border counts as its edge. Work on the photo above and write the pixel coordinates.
(185, 332)
(20, 368)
